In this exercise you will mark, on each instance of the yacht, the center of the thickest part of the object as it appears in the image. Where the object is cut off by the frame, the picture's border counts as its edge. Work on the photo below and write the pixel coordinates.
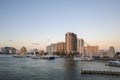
(113, 63)
(49, 57)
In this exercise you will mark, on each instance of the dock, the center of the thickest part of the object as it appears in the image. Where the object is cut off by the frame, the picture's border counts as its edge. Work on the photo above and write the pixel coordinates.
(113, 65)
(100, 72)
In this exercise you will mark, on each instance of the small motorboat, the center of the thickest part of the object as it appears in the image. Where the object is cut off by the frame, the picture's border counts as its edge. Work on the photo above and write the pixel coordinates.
(49, 57)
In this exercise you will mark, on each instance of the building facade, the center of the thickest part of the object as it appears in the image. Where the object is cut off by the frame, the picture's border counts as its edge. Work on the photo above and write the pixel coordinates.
(48, 49)
(71, 42)
(80, 46)
(52, 48)
(111, 52)
(8, 50)
(107, 53)
(103, 53)
(91, 51)
(60, 47)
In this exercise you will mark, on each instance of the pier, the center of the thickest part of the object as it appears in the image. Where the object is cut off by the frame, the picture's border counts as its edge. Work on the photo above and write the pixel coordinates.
(113, 65)
(100, 72)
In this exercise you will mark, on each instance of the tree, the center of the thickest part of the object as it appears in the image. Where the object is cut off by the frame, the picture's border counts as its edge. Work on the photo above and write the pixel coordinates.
(71, 54)
(23, 50)
(117, 55)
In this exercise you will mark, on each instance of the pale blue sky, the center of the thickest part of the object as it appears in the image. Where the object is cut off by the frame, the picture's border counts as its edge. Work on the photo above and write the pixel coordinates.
(26, 22)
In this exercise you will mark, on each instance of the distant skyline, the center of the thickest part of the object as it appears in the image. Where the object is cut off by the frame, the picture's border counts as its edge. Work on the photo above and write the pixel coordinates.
(38, 23)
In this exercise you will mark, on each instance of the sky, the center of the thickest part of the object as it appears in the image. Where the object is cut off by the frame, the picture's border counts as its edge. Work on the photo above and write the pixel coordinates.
(38, 23)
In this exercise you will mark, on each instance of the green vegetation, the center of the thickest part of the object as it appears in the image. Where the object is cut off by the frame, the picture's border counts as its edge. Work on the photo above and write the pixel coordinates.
(117, 55)
(23, 50)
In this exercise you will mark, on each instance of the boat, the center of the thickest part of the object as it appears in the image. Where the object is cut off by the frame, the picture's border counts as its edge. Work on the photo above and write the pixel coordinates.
(36, 57)
(113, 63)
(19, 56)
(28, 55)
(78, 58)
(48, 57)
(82, 58)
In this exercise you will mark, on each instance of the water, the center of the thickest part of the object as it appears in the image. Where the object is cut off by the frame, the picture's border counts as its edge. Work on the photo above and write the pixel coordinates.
(60, 69)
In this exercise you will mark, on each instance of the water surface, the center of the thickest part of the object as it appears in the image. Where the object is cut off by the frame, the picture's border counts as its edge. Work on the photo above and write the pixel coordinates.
(59, 69)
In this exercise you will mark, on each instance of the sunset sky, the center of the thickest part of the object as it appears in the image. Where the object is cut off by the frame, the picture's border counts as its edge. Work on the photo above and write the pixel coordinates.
(38, 23)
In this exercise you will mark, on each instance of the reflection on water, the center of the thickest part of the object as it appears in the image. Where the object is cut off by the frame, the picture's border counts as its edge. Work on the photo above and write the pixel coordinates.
(71, 70)
(59, 69)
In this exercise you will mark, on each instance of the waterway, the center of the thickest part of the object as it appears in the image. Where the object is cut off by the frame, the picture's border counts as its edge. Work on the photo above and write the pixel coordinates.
(59, 69)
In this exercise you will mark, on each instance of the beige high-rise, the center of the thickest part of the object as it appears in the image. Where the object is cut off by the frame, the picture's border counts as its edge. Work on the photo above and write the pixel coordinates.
(61, 47)
(71, 42)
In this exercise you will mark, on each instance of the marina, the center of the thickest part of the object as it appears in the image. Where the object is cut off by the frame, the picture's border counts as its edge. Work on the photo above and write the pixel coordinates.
(59, 69)
(59, 40)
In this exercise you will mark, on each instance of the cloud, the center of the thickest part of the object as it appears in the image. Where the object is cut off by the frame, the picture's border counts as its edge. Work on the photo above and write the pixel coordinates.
(36, 43)
(10, 41)
(48, 40)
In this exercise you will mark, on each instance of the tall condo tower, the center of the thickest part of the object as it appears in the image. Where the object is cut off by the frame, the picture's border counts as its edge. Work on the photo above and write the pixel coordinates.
(71, 42)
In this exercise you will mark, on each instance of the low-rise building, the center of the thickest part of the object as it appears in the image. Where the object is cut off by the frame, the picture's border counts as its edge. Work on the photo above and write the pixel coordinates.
(48, 50)
(107, 53)
(8, 50)
(91, 51)
(51, 48)
(103, 53)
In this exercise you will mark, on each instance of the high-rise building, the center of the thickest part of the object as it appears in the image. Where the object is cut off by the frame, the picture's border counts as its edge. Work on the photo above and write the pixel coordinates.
(111, 52)
(60, 47)
(80, 46)
(71, 42)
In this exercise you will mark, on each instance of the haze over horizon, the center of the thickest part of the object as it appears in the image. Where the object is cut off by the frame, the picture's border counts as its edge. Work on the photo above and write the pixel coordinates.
(38, 23)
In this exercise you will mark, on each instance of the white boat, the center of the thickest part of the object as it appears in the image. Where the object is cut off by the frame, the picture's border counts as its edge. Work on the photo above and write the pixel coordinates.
(113, 63)
(49, 57)
(36, 57)
(19, 56)
(78, 58)
(82, 58)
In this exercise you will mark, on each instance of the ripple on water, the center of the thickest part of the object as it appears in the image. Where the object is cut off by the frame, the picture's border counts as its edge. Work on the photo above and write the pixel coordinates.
(60, 69)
